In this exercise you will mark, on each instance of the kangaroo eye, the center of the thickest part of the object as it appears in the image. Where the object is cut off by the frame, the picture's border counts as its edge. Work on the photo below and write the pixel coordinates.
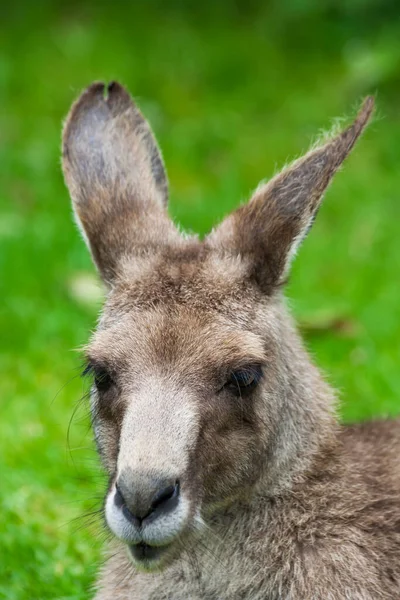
(101, 377)
(243, 381)
(102, 380)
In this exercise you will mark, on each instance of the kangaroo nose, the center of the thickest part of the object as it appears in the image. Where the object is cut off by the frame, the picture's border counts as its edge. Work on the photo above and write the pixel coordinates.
(142, 499)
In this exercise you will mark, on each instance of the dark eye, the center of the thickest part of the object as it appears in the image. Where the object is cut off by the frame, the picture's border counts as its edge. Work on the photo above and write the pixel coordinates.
(243, 381)
(102, 380)
(101, 377)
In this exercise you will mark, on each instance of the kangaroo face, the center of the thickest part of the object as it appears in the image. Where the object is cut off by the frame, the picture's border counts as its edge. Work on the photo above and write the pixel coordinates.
(192, 358)
(179, 398)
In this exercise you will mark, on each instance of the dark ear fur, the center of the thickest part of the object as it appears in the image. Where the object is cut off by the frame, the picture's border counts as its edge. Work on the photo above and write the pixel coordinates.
(116, 177)
(268, 230)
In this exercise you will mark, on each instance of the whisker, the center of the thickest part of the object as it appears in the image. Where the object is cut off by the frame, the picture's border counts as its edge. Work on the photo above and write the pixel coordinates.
(63, 387)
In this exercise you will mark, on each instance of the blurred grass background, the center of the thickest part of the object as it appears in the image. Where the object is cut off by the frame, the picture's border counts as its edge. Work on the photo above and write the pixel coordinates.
(233, 90)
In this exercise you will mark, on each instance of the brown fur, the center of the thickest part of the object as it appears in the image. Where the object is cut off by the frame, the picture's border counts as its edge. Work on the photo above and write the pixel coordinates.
(282, 503)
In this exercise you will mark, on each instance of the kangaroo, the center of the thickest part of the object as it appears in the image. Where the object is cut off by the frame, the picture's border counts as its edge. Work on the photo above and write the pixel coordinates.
(230, 476)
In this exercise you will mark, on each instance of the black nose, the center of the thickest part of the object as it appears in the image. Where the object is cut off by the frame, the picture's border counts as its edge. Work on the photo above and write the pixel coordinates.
(143, 499)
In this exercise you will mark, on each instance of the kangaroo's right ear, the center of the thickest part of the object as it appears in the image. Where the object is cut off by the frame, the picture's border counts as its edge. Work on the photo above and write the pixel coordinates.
(116, 178)
(267, 231)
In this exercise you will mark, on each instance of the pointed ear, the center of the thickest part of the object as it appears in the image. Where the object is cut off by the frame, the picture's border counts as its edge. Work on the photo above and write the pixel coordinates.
(268, 230)
(116, 178)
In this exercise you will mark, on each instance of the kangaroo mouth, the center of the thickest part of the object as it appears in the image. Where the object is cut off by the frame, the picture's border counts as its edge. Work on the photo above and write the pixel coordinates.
(143, 553)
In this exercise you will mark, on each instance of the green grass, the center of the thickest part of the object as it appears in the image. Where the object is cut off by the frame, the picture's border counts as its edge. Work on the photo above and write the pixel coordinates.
(233, 91)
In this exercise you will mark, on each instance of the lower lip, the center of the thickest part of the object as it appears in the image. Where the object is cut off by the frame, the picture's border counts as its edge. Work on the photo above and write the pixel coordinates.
(143, 552)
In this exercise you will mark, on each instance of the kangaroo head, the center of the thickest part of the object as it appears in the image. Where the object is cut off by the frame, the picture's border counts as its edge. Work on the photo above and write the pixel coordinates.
(201, 387)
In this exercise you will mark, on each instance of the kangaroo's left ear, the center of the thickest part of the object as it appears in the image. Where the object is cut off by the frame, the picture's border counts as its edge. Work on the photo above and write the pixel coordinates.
(268, 230)
(116, 178)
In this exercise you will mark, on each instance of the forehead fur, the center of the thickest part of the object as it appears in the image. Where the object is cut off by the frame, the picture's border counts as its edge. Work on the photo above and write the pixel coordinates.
(189, 274)
(182, 303)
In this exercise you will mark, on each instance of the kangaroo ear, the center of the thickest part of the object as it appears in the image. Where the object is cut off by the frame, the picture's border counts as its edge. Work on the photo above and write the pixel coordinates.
(116, 177)
(268, 230)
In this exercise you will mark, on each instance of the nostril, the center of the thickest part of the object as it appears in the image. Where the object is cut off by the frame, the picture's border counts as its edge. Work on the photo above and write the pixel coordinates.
(118, 498)
(119, 502)
(163, 496)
